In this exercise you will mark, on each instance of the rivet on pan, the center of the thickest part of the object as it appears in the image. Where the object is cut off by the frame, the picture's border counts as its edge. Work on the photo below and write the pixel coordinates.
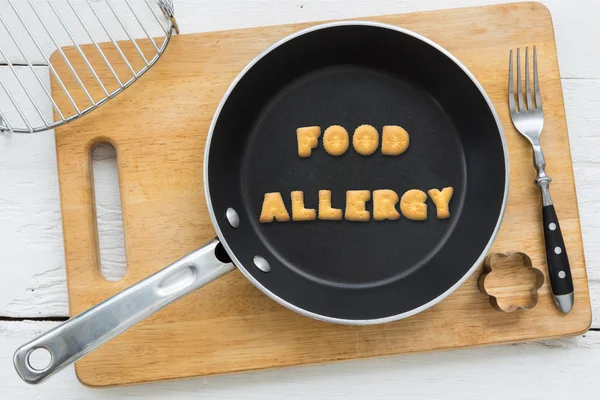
(261, 264)
(232, 217)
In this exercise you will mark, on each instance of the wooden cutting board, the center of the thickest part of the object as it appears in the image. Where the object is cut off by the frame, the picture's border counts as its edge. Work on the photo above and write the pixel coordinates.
(159, 128)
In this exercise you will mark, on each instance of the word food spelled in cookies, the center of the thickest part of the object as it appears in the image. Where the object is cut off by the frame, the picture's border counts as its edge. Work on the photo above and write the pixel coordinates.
(412, 206)
(365, 140)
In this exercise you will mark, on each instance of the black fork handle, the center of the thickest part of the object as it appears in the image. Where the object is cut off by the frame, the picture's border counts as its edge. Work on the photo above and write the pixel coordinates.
(559, 269)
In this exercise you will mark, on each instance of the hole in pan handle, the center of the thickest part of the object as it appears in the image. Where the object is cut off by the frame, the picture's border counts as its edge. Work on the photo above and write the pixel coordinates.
(76, 337)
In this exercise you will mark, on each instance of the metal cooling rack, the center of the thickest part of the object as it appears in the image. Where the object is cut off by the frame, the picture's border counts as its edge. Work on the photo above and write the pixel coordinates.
(130, 33)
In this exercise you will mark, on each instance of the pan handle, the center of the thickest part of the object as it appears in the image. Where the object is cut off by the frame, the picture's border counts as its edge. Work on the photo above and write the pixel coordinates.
(76, 337)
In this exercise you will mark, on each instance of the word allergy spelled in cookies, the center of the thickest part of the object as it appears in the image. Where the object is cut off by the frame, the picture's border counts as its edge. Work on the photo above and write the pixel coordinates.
(412, 206)
(365, 140)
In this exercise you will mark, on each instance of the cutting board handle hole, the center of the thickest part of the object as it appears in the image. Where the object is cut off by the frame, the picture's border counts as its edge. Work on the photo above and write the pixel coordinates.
(108, 212)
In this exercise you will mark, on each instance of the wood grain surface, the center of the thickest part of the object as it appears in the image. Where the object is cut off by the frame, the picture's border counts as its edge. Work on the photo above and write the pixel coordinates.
(159, 130)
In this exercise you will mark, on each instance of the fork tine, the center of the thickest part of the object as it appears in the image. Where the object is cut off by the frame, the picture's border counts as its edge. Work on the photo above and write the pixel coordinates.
(536, 85)
(511, 84)
(519, 82)
(527, 85)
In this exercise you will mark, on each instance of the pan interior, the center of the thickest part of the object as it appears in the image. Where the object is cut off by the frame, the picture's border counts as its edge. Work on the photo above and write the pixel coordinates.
(349, 75)
(347, 253)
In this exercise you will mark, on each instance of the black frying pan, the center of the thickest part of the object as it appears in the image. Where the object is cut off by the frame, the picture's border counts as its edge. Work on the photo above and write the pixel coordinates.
(349, 74)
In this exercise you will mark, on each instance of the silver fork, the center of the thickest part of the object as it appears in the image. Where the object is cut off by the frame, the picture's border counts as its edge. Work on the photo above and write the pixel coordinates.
(528, 119)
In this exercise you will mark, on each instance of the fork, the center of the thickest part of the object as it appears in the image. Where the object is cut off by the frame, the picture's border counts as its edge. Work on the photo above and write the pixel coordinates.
(528, 119)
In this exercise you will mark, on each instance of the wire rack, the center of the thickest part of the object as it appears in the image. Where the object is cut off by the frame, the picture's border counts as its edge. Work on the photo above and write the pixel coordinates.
(68, 44)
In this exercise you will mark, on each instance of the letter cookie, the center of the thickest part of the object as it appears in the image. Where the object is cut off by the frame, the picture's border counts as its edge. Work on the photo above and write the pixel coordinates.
(394, 140)
(335, 140)
(441, 200)
(384, 205)
(365, 140)
(307, 139)
(273, 208)
(326, 212)
(299, 213)
(413, 205)
(355, 205)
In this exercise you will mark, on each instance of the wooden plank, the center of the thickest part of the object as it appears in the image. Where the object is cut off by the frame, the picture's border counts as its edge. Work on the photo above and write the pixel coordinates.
(18, 108)
(571, 21)
(583, 120)
(165, 217)
(30, 217)
(567, 368)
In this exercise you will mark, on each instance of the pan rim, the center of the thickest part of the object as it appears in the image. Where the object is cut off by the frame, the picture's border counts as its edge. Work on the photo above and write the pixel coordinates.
(292, 306)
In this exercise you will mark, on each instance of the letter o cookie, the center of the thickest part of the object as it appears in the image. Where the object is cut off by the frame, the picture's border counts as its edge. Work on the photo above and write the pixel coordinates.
(365, 140)
(336, 140)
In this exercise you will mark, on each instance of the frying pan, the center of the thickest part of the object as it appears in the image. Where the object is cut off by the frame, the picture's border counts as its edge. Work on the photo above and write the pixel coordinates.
(349, 74)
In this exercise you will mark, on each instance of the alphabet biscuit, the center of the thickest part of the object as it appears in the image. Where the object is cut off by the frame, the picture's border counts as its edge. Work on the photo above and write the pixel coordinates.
(441, 200)
(273, 208)
(326, 212)
(384, 205)
(412, 205)
(299, 213)
(307, 139)
(394, 140)
(355, 205)
(365, 140)
(335, 140)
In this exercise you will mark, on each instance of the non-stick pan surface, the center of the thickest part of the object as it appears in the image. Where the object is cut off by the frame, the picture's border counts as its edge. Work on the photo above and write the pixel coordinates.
(351, 74)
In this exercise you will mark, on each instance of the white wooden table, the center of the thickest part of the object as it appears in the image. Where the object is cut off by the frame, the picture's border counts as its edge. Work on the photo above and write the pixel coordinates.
(33, 295)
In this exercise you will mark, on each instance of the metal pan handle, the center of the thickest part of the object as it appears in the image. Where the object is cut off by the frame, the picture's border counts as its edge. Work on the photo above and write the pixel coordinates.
(76, 337)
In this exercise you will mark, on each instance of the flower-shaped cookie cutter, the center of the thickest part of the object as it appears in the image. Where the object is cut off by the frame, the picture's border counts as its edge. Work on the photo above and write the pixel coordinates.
(488, 266)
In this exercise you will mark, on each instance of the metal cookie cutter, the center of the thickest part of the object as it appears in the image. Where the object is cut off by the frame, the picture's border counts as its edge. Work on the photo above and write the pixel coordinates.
(488, 266)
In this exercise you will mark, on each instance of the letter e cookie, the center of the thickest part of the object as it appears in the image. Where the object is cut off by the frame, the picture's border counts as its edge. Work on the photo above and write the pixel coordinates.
(355, 205)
